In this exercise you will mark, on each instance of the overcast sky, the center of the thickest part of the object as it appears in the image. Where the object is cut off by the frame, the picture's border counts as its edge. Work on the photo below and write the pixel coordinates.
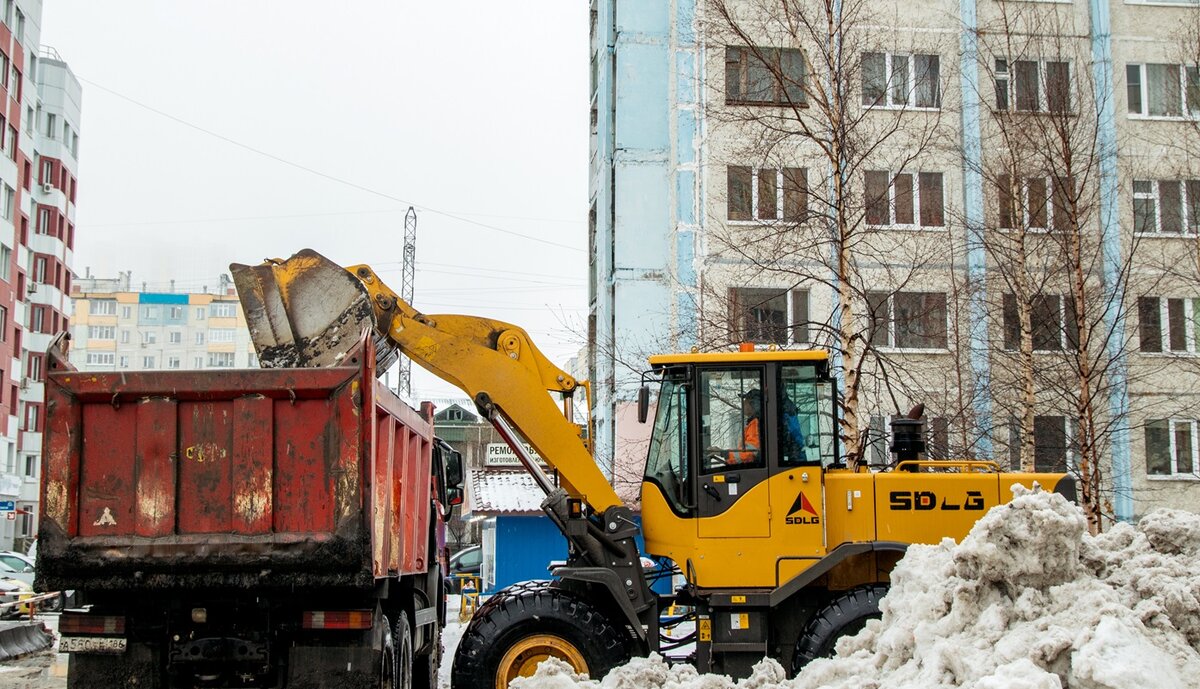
(474, 109)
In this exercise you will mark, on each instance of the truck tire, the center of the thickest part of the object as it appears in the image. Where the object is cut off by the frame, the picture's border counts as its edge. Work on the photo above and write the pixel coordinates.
(510, 636)
(403, 647)
(845, 615)
(387, 671)
(425, 667)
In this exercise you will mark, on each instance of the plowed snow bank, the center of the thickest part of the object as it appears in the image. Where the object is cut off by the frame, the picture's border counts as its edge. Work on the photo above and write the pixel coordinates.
(1028, 600)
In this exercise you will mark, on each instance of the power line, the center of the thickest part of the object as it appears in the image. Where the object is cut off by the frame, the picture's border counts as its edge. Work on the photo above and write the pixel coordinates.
(324, 175)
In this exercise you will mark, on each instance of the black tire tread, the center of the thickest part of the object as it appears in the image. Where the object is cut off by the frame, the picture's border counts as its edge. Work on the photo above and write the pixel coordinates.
(843, 615)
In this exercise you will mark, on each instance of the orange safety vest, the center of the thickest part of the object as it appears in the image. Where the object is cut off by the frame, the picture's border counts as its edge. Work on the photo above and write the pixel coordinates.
(750, 443)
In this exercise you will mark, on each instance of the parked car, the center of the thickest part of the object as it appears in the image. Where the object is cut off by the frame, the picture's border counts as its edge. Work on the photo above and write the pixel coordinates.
(10, 592)
(24, 567)
(465, 562)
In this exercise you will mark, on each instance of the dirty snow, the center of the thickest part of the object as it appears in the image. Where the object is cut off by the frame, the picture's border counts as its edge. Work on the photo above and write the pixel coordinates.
(1029, 600)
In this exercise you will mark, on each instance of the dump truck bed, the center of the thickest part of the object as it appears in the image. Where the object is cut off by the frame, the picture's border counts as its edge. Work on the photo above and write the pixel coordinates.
(314, 477)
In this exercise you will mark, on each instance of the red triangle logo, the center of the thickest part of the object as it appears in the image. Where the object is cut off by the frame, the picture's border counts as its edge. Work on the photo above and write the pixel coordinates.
(802, 505)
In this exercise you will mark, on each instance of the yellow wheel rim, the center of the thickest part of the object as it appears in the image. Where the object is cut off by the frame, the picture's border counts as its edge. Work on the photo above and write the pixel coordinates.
(522, 659)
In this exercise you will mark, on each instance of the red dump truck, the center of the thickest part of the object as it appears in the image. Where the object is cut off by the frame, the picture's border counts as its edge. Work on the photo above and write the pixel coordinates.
(244, 527)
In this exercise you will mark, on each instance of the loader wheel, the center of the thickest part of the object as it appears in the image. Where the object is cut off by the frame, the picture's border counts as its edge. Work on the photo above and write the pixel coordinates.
(509, 639)
(402, 643)
(845, 615)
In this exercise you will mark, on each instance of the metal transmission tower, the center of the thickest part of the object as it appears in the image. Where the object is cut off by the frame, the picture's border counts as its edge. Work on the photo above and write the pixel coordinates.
(406, 291)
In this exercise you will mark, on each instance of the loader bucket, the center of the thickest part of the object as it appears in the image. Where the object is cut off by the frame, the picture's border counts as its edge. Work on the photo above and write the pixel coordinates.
(307, 312)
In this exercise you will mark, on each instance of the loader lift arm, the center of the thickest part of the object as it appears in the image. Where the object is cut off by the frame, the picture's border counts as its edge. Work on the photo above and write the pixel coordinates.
(308, 311)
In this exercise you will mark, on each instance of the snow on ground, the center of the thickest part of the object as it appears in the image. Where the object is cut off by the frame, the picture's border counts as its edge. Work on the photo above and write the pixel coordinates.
(1029, 600)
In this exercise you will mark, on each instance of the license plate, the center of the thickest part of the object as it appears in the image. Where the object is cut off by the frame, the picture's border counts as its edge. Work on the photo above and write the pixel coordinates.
(90, 644)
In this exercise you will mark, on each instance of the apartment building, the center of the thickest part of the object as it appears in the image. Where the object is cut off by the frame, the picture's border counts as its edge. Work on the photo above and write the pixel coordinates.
(40, 106)
(722, 197)
(116, 329)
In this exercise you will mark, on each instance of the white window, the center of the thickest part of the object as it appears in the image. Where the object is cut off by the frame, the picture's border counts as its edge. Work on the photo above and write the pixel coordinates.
(173, 362)
(32, 412)
(768, 193)
(149, 312)
(221, 334)
(7, 202)
(124, 336)
(25, 520)
(200, 337)
(126, 312)
(1052, 318)
(31, 466)
(149, 337)
(252, 360)
(908, 320)
(101, 332)
(769, 316)
(148, 362)
(223, 309)
(1171, 448)
(176, 312)
(1035, 203)
(198, 362)
(905, 199)
(102, 307)
(199, 311)
(100, 358)
(220, 359)
(5, 263)
(124, 362)
(1166, 206)
(1033, 85)
(1162, 90)
(897, 81)
(51, 126)
(175, 337)
(1167, 324)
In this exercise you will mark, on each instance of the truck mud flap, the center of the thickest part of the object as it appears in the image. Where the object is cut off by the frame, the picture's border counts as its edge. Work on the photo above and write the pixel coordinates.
(139, 667)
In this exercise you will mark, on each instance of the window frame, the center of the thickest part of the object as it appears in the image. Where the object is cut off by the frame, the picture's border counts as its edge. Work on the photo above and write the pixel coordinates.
(1009, 76)
(917, 196)
(783, 186)
(779, 92)
(891, 324)
(1172, 459)
(1186, 111)
(790, 326)
(1067, 330)
(1191, 335)
(911, 86)
(1189, 210)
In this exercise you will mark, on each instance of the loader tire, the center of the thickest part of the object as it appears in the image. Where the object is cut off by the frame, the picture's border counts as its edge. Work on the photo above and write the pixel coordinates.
(510, 636)
(845, 615)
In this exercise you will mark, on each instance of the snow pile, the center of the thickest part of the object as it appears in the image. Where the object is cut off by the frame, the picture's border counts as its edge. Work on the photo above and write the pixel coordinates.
(1029, 600)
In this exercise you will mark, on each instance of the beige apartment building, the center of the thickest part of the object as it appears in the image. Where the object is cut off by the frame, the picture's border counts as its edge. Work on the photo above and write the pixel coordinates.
(990, 207)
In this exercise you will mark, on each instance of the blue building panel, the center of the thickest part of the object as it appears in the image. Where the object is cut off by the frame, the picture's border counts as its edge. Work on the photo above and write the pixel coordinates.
(642, 96)
(161, 298)
(525, 546)
(643, 17)
(643, 216)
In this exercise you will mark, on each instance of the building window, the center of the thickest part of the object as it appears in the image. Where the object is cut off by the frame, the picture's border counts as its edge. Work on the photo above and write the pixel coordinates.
(1162, 90)
(176, 312)
(908, 320)
(1166, 206)
(1033, 86)
(149, 337)
(768, 193)
(769, 316)
(150, 312)
(7, 201)
(220, 359)
(1052, 318)
(175, 337)
(199, 313)
(124, 362)
(102, 307)
(761, 76)
(124, 336)
(147, 362)
(252, 360)
(198, 362)
(1034, 203)
(3, 324)
(35, 366)
(200, 338)
(5, 263)
(31, 466)
(100, 358)
(37, 319)
(173, 362)
(221, 334)
(1179, 317)
(223, 309)
(101, 332)
(1171, 448)
(900, 80)
(905, 199)
(1054, 448)
(126, 312)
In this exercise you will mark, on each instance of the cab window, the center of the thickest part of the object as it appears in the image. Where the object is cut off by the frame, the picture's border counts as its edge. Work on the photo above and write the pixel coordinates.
(732, 430)
(667, 461)
(807, 426)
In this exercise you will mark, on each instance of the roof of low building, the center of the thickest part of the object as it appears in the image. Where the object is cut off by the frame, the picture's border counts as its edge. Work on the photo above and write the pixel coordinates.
(502, 491)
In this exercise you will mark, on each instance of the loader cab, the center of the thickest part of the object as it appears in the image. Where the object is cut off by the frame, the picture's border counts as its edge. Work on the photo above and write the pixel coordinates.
(734, 434)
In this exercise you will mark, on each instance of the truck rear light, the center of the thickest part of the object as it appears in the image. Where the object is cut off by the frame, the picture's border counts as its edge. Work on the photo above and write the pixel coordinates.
(338, 619)
(76, 623)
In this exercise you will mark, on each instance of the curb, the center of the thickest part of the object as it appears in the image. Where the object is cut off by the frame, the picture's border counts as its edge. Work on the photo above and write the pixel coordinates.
(23, 639)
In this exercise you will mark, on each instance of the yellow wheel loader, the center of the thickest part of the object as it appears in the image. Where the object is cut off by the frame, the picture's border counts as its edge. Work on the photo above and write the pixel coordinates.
(780, 548)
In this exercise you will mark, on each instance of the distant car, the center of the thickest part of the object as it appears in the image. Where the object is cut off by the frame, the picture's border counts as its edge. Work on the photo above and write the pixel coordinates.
(10, 592)
(465, 562)
(24, 567)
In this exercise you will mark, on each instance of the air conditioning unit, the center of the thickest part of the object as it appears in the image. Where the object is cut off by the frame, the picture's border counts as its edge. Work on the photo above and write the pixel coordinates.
(25, 383)
(31, 288)
(47, 187)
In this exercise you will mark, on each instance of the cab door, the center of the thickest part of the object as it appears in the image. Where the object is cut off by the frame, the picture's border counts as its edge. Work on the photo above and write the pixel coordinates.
(732, 496)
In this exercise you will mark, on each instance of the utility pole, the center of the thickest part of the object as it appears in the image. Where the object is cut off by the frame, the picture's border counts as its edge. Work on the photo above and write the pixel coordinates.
(404, 388)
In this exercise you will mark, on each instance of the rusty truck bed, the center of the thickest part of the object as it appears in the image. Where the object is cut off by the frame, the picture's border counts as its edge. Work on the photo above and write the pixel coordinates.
(233, 477)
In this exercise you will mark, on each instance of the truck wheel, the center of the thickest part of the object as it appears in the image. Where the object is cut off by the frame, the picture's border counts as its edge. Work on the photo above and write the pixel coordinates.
(402, 644)
(387, 670)
(425, 667)
(845, 615)
(510, 638)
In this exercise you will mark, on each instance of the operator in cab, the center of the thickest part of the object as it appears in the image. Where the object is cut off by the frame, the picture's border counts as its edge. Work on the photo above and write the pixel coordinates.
(752, 433)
